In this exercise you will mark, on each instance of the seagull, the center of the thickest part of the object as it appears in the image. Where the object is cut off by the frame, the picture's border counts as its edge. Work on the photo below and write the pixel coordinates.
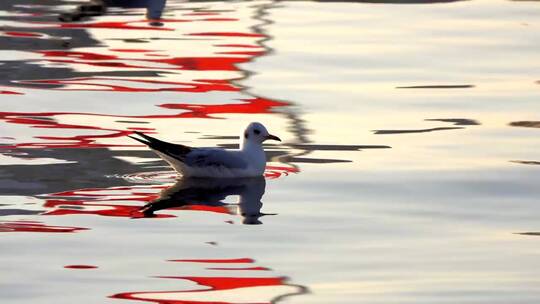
(248, 161)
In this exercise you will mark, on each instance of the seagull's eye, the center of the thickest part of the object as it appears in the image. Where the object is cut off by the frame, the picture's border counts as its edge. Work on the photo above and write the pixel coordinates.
(257, 132)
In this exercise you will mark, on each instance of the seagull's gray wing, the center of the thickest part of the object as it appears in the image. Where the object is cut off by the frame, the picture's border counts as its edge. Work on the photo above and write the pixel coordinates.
(212, 157)
(175, 151)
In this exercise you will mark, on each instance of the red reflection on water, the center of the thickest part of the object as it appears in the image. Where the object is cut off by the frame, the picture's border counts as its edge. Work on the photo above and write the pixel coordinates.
(203, 63)
(112, 210)
(240, 268)
(11, 92)
(115, 210)
(131, 50)
(77, 141)
(131, 85)
(126, 201)
(31, 226)
(80, 267)
(221, 283)
(278, 171)
(80, 141)
(226, 261)
(221, 287)
(79, 55)
(213, 284)
(183, 63)
(100, 201)
(197, 86)
(23, 34)
(218, 288)
(250, 106)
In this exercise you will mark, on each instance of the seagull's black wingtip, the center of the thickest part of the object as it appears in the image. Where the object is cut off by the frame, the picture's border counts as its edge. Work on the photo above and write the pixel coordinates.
(138, 139)
(173, 150)
(149, 139)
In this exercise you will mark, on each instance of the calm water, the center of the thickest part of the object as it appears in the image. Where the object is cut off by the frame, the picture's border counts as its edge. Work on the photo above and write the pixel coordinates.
(408, 171)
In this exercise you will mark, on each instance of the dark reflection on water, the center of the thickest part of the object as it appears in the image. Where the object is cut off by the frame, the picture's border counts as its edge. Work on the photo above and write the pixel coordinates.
(26, 36)
(529, 233)
(526, 124)
(526, 162)
(454, 121)
(212, 193)
(86, 168)
(5, 212)
(457, 121)
(415, 131)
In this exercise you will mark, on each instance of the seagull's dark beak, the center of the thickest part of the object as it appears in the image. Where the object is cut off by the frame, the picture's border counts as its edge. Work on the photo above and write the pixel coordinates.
(273, 137)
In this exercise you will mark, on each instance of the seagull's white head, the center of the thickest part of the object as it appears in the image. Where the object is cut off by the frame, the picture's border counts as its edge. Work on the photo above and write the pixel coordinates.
(257, 133)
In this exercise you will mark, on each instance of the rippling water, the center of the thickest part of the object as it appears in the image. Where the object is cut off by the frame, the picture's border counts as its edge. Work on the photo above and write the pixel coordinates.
(408, 171)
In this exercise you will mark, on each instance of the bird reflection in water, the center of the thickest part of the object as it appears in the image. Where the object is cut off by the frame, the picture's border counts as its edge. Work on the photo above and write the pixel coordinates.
(212, 193)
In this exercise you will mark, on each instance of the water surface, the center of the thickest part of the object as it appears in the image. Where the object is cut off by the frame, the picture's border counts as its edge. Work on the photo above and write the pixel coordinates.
(408, 171)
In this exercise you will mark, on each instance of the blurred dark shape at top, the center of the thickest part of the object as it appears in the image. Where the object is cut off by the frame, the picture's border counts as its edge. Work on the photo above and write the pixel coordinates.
(94, 8)
(395, 1)
(154, 9)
